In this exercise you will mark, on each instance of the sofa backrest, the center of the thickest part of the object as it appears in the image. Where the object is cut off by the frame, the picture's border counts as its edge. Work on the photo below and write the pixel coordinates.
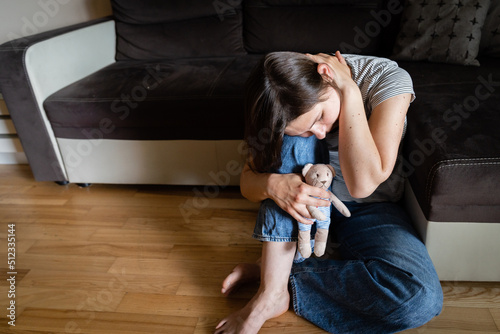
(157, 29)
(312, 26)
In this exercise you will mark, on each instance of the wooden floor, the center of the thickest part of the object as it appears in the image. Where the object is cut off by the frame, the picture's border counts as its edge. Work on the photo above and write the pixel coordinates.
(150, 259)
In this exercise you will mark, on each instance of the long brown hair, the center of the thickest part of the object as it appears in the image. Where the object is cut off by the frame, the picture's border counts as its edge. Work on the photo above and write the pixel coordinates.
(283, 86)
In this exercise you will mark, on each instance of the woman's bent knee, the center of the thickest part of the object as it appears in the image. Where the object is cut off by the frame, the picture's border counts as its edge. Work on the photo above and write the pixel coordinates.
(298, 151)
(422, 307)
(426, 305)
(274, 224)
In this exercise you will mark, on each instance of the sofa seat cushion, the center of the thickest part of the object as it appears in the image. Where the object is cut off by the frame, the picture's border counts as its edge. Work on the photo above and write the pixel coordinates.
(452, 146)
(173, 99)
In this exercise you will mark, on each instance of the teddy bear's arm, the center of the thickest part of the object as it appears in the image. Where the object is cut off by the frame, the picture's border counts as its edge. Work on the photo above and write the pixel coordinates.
(339, 205)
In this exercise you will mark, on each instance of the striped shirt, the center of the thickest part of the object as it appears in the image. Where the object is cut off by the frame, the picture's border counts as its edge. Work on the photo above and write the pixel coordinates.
(378, 80)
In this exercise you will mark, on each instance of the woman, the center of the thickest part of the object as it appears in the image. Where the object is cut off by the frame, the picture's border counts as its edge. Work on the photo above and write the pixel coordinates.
(349, 112)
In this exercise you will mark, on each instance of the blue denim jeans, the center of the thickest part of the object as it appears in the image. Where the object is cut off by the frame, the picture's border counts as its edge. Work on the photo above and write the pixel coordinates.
(385, 281)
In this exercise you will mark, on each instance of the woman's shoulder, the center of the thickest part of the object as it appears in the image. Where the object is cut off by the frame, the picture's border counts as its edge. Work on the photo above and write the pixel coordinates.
(378, 78)
(368, 60)
(367, 71)
(362, 64)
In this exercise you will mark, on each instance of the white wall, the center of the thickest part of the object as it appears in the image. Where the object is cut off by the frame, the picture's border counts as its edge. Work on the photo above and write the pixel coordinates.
(21, 18)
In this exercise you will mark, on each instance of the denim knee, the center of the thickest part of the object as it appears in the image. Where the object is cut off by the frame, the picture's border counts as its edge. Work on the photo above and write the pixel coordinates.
(297, 151)
(426, 305)
(429, 303)
(274, 224)
(422, 307)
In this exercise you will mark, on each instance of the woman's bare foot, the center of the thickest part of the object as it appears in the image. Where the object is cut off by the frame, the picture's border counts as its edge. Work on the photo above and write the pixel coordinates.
(262, 307)
(242, 273)
(272, 299)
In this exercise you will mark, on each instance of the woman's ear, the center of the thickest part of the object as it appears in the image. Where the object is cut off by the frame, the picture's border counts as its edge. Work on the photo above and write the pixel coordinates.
(325, 71)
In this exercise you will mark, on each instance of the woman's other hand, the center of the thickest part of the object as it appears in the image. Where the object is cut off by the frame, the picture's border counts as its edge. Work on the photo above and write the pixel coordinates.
(292, 194)
(338, 71)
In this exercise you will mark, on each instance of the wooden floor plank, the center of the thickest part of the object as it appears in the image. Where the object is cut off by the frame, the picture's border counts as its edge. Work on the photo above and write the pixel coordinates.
(113, 249)
(179, 268)
(215, 253)
(462, 318)
(191, 306)
(472, 294)
(427, 330)
(211, 287)
(23, 199)
(149, 236)
(68, 299)
(65, 262)
(103, 322)
(98, 281)
(22, 245)
(104, 200)
(495, 313)
(10, 190)
(34, 212)
(55, 232)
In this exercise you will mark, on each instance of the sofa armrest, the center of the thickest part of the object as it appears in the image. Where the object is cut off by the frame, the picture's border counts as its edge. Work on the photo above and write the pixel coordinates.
(34, 67)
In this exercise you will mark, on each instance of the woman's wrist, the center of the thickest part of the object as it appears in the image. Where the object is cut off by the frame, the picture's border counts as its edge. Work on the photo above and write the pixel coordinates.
(350, 96)
(349, 87)
(254, 185)
(270, 188)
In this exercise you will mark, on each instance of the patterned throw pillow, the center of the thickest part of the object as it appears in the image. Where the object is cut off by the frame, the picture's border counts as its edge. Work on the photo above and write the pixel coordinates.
(446, 31)
(490, 40)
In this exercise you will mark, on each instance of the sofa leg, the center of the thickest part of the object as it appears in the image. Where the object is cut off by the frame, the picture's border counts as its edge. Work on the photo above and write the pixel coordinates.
(62, 183)
(84, 185)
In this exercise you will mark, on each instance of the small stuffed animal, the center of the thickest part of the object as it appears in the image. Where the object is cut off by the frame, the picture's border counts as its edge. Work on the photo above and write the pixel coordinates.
(319, 175)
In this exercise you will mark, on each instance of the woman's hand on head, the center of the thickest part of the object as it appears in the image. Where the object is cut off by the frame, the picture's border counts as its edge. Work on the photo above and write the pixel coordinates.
(292, 194)
(327, 58)
(337, 70)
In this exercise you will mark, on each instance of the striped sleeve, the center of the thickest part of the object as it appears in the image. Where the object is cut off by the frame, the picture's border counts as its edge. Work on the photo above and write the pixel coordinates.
(379, 79)
(394, 81)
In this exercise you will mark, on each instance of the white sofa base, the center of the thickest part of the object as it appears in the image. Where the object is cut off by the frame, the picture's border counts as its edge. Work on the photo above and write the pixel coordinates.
(460, 251)
(56, 62)
(185, 162)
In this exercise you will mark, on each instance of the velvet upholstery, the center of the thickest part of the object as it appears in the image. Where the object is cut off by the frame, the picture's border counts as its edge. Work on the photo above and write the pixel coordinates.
(187, 99)
(452, 146)
(158, 29)
(490, 40)
(315, 26)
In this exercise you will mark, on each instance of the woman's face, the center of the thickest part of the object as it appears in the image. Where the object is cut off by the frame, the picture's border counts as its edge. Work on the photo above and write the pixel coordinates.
(319, 120)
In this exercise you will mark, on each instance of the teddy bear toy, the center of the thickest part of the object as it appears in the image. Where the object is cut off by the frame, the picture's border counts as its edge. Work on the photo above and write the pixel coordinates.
(319, 175)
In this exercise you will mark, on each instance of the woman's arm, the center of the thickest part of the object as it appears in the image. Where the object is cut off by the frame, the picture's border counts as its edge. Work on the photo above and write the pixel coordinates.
(288, 191)
(367, 149)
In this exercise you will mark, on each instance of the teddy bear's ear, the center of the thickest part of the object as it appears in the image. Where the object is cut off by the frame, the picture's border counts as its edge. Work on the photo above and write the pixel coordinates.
(306, 169)
(332, 169)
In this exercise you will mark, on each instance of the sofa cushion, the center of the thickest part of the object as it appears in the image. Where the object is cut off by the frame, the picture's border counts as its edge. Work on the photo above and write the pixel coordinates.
(441, 32)
(452, 146)
(200, 99)
(315, 25)
(490, 39)
(158, 29)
